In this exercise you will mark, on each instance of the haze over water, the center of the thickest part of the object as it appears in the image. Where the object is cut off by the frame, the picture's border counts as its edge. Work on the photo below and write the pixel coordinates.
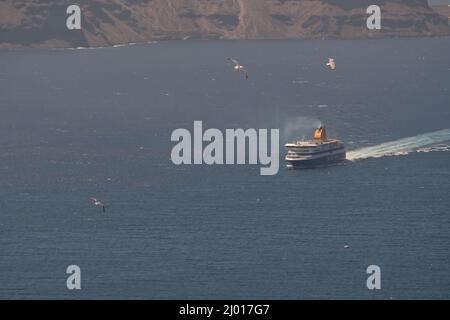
(76, 124)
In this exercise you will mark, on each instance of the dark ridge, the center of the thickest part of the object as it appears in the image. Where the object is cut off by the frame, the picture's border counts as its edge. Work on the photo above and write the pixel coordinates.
(44, 23)
(228, 21)
(284, 19)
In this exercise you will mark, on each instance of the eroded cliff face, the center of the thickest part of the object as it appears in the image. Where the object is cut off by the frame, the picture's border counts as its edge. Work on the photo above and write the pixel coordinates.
(25, 23)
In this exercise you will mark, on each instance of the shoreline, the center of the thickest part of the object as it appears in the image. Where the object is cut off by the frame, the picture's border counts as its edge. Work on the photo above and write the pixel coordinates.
(192, 40)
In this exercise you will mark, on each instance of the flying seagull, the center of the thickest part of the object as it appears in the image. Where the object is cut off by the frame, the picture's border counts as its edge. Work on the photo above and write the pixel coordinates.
(238, 67)
(98, 203)
(331, 63)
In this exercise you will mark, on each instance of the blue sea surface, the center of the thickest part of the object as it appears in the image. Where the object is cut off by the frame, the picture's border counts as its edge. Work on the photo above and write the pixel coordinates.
(76, 124)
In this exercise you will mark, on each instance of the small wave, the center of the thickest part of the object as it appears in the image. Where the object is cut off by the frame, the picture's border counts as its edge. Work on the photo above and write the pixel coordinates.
(298, 81)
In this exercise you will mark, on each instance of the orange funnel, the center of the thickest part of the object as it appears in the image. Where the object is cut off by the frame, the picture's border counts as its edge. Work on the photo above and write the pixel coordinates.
(320, 134)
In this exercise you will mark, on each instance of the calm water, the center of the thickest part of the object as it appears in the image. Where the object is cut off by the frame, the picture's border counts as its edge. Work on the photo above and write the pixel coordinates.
(97, 123)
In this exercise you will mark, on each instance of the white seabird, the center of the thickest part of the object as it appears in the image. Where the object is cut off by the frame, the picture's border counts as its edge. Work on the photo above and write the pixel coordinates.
(238, 67)
(331, 63)
(98, 203)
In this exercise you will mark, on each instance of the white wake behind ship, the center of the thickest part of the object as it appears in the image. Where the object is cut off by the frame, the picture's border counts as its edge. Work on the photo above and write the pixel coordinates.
(320, 151)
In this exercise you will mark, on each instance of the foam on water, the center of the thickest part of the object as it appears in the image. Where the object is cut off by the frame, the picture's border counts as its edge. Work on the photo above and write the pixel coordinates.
(403, 146)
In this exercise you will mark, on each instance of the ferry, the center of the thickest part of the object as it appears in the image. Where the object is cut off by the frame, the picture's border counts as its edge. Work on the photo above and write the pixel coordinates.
(320, 151)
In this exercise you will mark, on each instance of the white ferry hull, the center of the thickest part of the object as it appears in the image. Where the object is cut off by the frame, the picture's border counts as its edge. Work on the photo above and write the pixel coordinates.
(317, 161)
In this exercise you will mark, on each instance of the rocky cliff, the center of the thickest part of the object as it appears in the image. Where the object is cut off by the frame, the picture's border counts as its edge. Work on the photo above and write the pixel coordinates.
(42, 23)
